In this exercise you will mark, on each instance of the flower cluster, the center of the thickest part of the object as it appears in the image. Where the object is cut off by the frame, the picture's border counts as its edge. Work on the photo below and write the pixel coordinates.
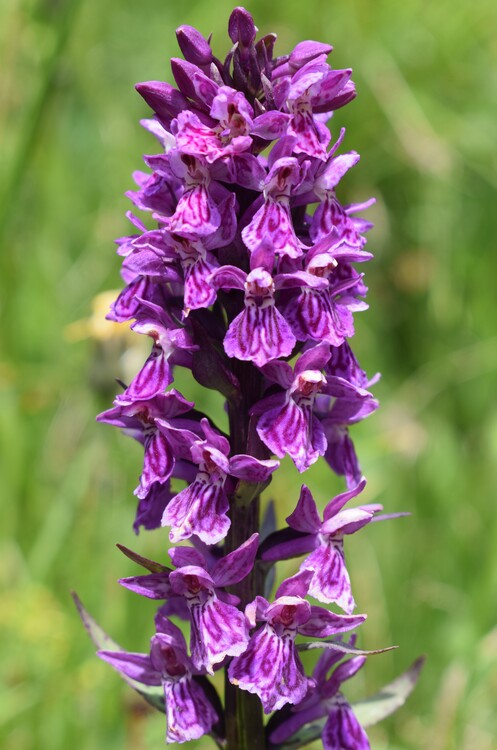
(248, 278)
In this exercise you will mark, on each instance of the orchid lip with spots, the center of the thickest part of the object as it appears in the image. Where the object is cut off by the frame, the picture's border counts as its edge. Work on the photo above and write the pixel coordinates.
(241, 269)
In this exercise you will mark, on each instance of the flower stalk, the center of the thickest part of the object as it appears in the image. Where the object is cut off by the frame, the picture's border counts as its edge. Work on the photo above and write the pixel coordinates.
(247, 277)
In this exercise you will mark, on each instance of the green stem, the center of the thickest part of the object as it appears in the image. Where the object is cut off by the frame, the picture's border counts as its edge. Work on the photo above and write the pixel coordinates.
(243, 710)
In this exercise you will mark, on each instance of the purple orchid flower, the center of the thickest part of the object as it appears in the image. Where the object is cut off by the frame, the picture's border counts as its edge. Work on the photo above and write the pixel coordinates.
(260, 333)
(312, 89)
(201, 508)
(218, 628)
(330, 582)
(341, 731)
(170, 344)
(232, 120)
(273, 218)
(324, 313)
(271, 666)
(247, 279)
(189, 713)
(287, 423)
(155, 423)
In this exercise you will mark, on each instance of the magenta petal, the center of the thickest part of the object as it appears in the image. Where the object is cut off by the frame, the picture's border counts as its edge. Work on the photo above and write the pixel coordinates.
(315, 316)
(153, 378)
(324, 623)
(218, 630)
(330, 582)
(189, 713)
(273, 220)
(199, 292)
(196, 214)
(311, 139)
(336, 168)
(153, 586)
(158, 463)
(348, 669)
(182, 556)
(287, 543)
(199, 509)
(233, 567)
(347, 521)
(136, 666)
(342, 731)
(335, 505)
(293, 430)
(252, 469)
(296, 586)
(150, 508)
(305, 517)
(271, 668)
(259, 334)
(270, 125)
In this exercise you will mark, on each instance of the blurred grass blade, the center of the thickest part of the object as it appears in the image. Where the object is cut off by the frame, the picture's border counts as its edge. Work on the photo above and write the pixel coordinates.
(390, 698)
(152, 694)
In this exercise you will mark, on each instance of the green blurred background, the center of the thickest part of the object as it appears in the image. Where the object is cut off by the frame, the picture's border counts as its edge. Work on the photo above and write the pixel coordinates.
(424, 122)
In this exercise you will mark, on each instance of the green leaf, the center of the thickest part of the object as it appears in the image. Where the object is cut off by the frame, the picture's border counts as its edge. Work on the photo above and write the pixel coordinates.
(368, 712)
(152, 694)
(390, 698)
(151, 565)
(345, 648)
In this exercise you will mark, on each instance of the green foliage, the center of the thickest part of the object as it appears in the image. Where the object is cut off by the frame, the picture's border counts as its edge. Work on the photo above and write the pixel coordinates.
(424, 123)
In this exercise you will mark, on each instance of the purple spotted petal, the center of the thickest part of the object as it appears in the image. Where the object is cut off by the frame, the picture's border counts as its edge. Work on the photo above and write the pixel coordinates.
(342, 731)
(153, 378)
(330, 582)
(335, 170)
(196, 214)
(189, 713)
(198, 291)
(294, 430)
(241, 169)
(318, 316)
(259, 334)
(218, 630)
(312, 137)
(273, 220)
(271, 668)
(158, 463)
(128, 302)
(198, 509)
